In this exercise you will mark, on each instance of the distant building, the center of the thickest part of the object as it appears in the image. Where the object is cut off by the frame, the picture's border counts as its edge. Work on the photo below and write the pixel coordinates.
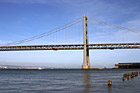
(127, 65)
(3, 67)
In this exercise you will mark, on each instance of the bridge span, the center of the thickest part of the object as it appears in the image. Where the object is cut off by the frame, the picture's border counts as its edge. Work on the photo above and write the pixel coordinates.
(72, 47)
(70, 31)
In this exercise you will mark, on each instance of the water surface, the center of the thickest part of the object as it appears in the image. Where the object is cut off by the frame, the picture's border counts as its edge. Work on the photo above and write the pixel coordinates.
(67, 81)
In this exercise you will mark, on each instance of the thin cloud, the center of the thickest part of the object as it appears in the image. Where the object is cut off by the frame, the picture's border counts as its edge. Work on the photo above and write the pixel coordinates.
(26, 1)
(134, 24)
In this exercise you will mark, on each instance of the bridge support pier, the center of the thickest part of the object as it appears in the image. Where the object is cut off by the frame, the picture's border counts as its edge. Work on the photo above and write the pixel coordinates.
(86, 64)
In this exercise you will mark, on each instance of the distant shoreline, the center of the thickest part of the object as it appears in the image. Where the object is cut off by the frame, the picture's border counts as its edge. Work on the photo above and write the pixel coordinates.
(62, 68)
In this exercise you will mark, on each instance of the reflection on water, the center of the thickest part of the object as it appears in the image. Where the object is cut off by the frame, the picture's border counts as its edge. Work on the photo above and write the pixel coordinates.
(86, 81)
(109, 89)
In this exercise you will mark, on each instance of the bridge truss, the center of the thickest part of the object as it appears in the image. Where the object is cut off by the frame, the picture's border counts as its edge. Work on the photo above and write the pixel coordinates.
(72, 47)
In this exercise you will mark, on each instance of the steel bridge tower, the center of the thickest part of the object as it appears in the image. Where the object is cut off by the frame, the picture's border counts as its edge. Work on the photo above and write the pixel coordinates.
(86, 64)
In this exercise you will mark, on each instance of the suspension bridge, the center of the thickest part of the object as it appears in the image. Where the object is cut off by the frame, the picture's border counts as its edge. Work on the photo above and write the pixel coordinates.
(71, 33)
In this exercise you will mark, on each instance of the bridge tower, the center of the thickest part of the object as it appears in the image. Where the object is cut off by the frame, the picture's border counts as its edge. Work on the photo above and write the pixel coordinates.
(86, 64)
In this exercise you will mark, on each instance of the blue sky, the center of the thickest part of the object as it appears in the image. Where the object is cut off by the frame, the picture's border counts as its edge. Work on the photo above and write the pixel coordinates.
(20, 19)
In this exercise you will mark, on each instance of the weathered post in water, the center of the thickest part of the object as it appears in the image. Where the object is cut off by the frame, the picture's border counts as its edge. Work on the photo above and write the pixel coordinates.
(109, 82)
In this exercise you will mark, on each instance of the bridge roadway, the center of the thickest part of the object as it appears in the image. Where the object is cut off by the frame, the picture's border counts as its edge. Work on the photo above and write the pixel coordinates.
(72, 47)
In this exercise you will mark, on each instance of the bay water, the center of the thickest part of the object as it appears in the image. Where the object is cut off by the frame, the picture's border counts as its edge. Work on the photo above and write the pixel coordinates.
(68, 81)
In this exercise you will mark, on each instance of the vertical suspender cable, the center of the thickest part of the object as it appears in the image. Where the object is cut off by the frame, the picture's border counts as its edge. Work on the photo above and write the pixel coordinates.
(138, 37)
(76, 33)
(64, 35)
(70, 34)
(67, 35)
(79, 32)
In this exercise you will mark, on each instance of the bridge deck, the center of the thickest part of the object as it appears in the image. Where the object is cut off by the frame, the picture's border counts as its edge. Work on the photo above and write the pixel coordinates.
(72, 47)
